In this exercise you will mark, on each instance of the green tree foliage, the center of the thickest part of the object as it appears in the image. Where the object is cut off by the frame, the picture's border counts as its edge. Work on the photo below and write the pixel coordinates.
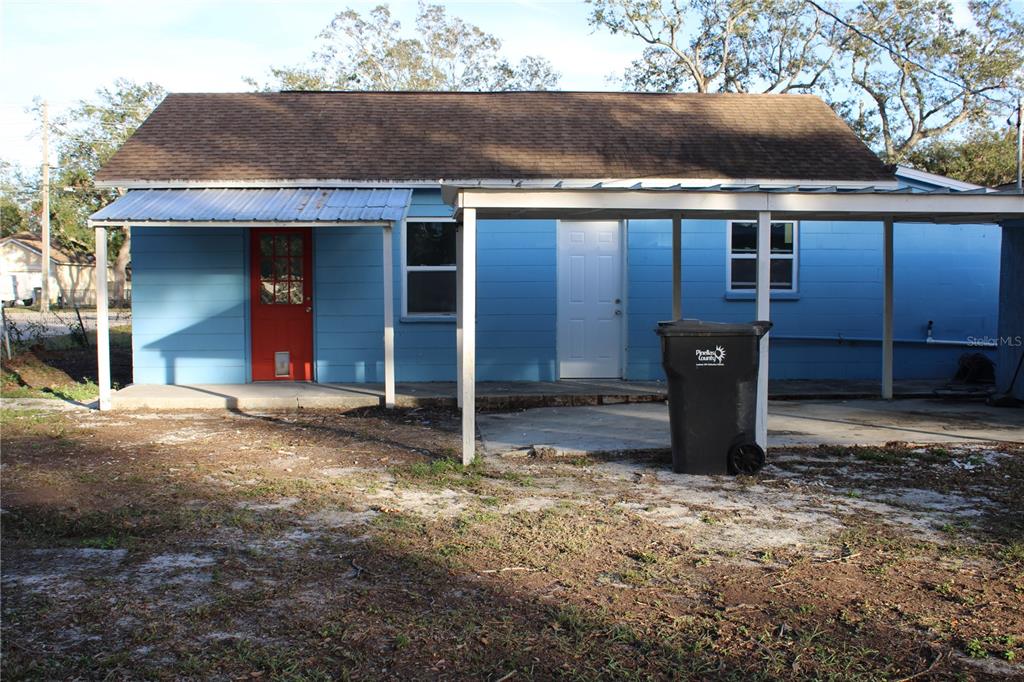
(901, 71)
(84, 138)
(444, 53)
(986, 156)
(15, 200)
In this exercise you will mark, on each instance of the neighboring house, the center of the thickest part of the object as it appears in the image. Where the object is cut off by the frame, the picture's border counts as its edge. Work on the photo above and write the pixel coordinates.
(257, 250)
(71, 275)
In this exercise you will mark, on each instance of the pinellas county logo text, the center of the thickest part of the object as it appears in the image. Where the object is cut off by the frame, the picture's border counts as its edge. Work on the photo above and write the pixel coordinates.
(711, 358)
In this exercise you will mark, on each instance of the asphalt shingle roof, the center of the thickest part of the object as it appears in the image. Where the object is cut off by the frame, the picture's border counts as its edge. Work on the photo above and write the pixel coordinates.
(57, 254)
(364, 136)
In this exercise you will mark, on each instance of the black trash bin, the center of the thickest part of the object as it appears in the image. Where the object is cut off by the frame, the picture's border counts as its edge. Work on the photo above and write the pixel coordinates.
(712, 394)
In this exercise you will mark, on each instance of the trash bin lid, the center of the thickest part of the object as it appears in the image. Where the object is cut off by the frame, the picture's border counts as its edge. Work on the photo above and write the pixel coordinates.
(705, 328)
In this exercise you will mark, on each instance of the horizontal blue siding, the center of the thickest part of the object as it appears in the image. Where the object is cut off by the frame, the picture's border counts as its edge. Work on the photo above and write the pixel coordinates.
(515, 309)
(427, 203)
(190, 300)
(348, 304)
(189, 305)
(516, 293)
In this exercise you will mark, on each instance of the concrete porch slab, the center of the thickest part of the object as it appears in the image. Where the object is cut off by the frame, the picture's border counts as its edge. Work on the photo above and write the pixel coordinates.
(293, 395)
(792, 422)
(491, 395)
(257, 396)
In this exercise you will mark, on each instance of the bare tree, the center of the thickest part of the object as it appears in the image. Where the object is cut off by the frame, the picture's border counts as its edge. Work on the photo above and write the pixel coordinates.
(901, 71)
(369, 52)
(724, 45)
(922, 76)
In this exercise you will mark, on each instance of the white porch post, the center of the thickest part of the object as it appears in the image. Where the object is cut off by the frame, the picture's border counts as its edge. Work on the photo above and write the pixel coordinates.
(763, 306)
(467, 314)
(389, 317)
(887, 298)
(102, 319)
(458, 316)
(677, 266)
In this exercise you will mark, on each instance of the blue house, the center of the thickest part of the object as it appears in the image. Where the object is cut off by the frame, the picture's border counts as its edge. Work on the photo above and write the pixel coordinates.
(257, 250)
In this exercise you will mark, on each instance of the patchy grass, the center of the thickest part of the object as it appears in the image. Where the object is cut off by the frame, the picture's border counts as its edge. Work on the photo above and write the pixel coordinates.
(64, 367)
(318, 545)
(12, 386)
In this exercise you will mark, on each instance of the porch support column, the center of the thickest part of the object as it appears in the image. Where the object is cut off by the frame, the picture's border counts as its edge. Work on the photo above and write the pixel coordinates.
(389, 317)
(763, 310)
(887, 303)
(677, 266)
(458, 316)
(102, 319)
(467, 314)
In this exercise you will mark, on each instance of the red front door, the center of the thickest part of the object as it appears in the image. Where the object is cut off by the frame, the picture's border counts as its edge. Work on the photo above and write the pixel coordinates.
(282, 305)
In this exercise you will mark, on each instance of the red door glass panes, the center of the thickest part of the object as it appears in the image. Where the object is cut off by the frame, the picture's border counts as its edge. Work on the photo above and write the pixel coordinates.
(281, 272)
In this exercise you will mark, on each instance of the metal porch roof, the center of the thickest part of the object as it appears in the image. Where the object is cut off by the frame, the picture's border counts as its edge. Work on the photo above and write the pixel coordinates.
(570, 200)
(283, 205)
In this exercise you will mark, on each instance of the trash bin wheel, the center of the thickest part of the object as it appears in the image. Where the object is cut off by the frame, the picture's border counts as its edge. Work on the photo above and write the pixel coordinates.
(746, 458)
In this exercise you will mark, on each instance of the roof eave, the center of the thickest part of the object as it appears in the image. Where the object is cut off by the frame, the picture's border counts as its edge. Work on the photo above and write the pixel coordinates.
(437, 183)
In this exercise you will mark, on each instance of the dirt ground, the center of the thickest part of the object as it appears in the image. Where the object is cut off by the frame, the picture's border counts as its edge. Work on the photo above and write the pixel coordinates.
(320, 545)
(64, 366)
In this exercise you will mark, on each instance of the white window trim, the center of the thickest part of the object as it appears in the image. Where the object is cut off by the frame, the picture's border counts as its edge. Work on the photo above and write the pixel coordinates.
(406, 268)
(730, 256)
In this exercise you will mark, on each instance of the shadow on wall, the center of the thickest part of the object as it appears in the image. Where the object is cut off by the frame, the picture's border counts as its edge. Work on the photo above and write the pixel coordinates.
(213, 350)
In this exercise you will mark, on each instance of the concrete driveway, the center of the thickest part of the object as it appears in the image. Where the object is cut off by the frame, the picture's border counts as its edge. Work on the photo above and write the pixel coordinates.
(645, 426)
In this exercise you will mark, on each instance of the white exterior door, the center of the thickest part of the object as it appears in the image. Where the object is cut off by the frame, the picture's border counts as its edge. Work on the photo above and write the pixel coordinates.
(590, 308)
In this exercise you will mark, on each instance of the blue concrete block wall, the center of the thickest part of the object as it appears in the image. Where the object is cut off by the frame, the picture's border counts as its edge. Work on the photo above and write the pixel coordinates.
(947, 274)
(190, 305)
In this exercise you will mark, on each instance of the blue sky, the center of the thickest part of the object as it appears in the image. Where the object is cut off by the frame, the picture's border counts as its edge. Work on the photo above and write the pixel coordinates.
(63, 50)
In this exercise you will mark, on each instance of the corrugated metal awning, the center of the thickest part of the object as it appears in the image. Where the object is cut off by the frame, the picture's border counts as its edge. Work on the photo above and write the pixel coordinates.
(245, 206)
(572, 200)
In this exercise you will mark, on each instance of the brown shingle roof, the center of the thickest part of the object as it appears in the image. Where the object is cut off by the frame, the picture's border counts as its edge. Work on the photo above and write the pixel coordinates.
(517, 135)
(57, 254)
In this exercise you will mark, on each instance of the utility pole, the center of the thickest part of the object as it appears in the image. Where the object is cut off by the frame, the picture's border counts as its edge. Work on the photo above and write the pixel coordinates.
(44, 219)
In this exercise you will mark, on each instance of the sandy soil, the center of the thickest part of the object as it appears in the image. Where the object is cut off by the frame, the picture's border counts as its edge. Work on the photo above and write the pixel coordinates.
(319, 545)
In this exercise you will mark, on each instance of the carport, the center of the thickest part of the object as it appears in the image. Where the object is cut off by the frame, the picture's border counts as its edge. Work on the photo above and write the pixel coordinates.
(763, 203)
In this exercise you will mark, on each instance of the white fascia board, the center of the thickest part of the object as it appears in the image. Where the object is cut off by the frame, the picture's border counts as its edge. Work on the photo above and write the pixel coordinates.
(267, 184)
(663, 183)
(31, 249)
(23, 246)
(930, 206)
(621, 183)
(233, 223)
(896, 204)
(934, 179)
(612, 199)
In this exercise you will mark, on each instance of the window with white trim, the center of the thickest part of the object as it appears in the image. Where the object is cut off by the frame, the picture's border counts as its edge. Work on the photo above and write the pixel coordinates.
(742, 270)
(429, 268)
